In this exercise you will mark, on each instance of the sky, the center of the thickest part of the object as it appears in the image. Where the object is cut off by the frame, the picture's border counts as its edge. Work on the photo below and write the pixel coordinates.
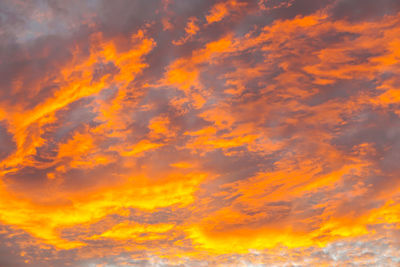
(199, 133)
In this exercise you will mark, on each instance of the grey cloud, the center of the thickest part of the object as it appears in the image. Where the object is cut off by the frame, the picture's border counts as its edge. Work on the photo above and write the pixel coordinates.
(355, 10)
(7, 145)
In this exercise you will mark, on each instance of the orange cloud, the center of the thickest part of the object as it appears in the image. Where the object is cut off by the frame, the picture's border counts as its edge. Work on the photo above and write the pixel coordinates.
(225, 133)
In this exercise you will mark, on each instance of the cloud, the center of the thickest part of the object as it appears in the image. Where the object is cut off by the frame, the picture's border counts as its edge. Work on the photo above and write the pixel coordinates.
(194, 133)
(356, 10)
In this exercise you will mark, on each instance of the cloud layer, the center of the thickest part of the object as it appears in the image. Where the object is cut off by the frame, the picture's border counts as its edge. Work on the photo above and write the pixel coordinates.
(199, 133)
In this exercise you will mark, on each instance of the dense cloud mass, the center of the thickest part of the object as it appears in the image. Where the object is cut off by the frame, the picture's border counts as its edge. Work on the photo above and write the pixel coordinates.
(199, 133)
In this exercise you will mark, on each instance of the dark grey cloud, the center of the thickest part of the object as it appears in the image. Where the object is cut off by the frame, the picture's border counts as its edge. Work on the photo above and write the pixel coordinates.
(7, 145)
(356, 10)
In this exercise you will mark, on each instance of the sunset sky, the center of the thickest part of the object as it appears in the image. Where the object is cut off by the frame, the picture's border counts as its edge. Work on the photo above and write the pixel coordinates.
(199, 133)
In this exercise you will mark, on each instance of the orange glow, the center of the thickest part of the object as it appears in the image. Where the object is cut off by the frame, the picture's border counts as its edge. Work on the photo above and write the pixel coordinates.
(215, 133)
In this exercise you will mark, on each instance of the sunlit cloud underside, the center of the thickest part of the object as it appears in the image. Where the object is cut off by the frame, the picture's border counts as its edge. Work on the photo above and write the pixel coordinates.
(199, 133)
